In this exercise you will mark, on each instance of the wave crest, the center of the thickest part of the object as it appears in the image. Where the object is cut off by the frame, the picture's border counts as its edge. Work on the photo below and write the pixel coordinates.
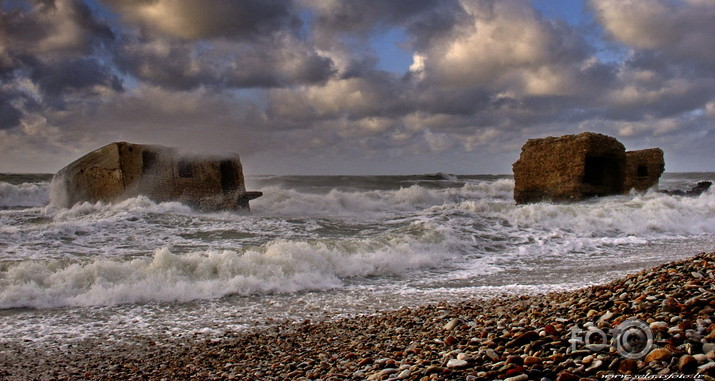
(23, 195)
(278, 267)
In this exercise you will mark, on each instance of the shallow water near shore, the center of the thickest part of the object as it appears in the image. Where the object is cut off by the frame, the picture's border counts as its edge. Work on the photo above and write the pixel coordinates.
(316, 247)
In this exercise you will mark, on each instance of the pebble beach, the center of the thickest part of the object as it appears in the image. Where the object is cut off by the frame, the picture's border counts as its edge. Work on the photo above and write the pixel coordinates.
(539, 337)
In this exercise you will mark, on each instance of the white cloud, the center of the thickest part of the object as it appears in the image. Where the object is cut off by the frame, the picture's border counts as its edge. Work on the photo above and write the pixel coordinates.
(417, 68)
(506, 45)
(189, 19)
(710, 109)
(356, 96)
(678, 29)
(438, 142)
(649, 126)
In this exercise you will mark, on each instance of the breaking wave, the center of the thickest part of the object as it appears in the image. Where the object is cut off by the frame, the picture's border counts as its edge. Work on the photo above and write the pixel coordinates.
(303, 238)
(23, 195)
(650, 214)
(281, 201)
(278, 267)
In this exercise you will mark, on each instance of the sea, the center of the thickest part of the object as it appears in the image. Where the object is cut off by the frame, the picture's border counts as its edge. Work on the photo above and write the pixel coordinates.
(316, 248)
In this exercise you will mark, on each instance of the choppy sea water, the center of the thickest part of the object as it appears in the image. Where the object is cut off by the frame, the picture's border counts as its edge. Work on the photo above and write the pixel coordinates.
(315, 248)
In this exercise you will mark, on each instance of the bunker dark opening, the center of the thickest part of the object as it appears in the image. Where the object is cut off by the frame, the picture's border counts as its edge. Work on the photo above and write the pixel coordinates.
(228, 176)
(148, 161)
(604, 173)
(185, 169)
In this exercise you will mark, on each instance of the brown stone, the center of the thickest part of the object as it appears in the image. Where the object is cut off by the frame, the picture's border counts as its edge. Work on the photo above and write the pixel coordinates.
(523, 338)
(643, 168)
(515, 371)
(450, 340)
(514, 360)
(573, 167)
(671, 305)
(558, 358)
(627, 366)
(658, 354)
(551, 330)
(531, 360)
(122, 170)
(566, 376)
(434, 369)
(687, 364)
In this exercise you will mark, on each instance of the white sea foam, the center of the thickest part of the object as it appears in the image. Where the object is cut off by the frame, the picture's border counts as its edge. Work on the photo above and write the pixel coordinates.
(649, 215)
(23, 195)
(100, 210)
(282, 201)
(278, 267)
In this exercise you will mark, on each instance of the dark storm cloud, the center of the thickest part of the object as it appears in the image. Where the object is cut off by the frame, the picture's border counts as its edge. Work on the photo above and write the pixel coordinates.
(46, 49)
(73, 75)
(57, 27)
(184, 44)
(303, 78)
(345, 28)
(680, 31)
(671, 68)
(269, 62)
(422, 17)
(478, 57)
(375, 93)
(10, 115)
(206, 19)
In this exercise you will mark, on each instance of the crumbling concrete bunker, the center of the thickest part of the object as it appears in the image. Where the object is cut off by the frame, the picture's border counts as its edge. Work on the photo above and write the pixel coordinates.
(574, 167)
(643, 169)
(123, 170)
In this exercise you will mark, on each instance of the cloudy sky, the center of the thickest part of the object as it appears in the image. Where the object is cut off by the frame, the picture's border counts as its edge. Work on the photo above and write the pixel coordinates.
(355, 86)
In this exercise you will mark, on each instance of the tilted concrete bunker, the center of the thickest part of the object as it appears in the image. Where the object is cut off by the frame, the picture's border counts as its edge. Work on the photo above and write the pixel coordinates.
(573, 167)
(122, 170)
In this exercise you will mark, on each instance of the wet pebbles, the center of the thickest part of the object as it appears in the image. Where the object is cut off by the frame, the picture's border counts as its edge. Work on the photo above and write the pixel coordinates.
(557, 336)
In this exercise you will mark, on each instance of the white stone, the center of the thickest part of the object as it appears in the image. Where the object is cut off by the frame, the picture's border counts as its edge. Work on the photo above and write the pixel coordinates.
(701, 357)
(491, 354)
(403, 375)
(606, 316)
(455, 363)
(658, 325)
(587, 360)
(451, 325)
(521, 377)
(674, 330)
(705, 367)
(596, 364)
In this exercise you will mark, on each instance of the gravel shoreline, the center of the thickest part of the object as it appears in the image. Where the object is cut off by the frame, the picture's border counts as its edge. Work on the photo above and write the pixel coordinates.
(512, 338)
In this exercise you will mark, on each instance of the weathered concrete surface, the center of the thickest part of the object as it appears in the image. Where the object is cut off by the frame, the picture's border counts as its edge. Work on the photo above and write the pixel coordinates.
(643, 169)
(569, 168)
(573, 167)
(122, 170)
